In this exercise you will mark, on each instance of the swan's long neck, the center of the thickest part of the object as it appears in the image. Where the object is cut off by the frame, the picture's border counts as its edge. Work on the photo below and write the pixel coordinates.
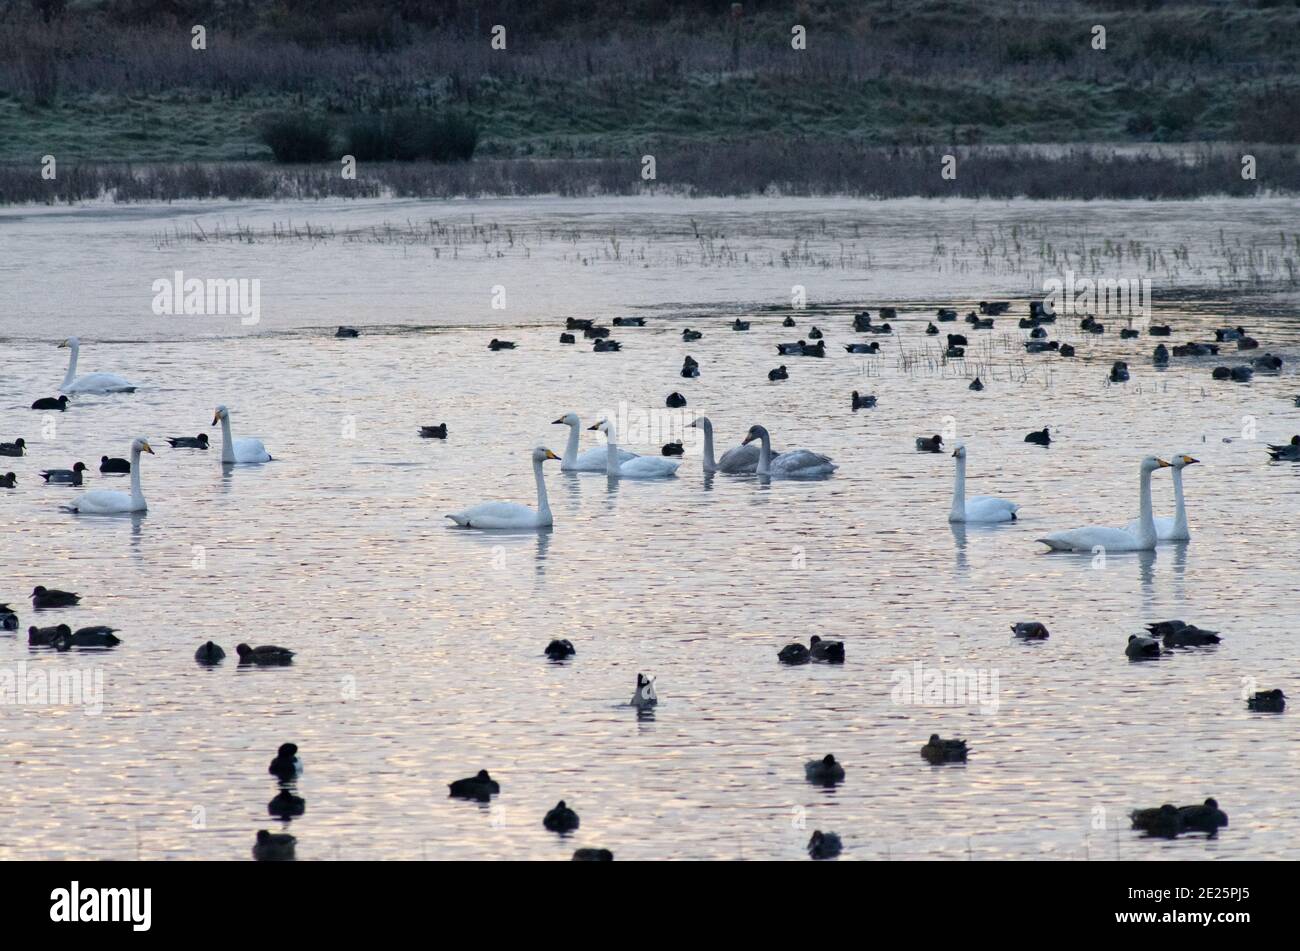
(543, 503)
(227, 443)
(611, 452)
(1180, 509)
(571, 448)
(72, 365)
(764, 453)
(958, 513)
(707, 426)
(137, 494)
(1146, 521)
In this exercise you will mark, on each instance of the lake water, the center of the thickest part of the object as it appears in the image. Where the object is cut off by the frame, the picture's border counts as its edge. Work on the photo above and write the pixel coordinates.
(420, 646)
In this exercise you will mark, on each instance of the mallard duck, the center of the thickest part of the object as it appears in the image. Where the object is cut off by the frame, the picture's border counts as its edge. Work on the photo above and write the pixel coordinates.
(1267, 701)
(790, 349)
(49, 402)
(944, 751)
(209, 653)
(560, 649)
(480, 786)
(824, 845)
(189, 442)
(561, 819)
(286, 764)
(274, 846)
(873, 347)
(1031, 630)
(266, 655)
(1290, 452)
(43, 598)
(825, 771)
(73, 476)
(831, 652)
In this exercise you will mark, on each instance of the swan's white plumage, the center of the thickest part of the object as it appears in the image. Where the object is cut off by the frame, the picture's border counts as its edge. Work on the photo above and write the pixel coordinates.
(512, 515)
(1174, 529)
(737, 459)
(1115, 539)
(90, 382)
(107, 502)
(594, 459)
(238, 451)
(791, 464)
(977, 508)
(638, 467)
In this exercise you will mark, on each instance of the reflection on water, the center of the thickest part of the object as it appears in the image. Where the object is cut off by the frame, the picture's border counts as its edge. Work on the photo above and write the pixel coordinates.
(420, 645)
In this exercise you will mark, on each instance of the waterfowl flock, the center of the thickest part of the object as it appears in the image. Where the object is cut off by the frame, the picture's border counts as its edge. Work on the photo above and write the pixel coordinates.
(755, 455)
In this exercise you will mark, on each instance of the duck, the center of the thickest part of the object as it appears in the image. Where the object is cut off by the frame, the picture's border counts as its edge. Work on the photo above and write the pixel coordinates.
(286, 765)
(561, 819)
(1142, 648)
(567, 338)
(817, 349)
(1289, 452)
(946, 314)
(560, 649)
(501, 344)
(938, 750)
(44, 598)
(1242, 374)
(873, 347)
(592, 855)
(15, 448)
(739, 324)
(480, 786)
(594, 332)
(286, 805)
(985, 323)
(606, 346)
(977, 508)
(189, 442)
(71, 476)
(347, 332)
(264, 656)
(675, 400)
(688, 334)
(98, 635)
(955, 353)
(994, 308)
(814, 334)
(931, 330)
(888, 313)
(209, 653)
(830, 652)
(1128, 333)
(1119, 372)
(1040, 437)
(434, 432)
(1247, 343)
(825, 771)
(50, 402)
(274, 846)
(122, 466)
(1207, 817)
(824, 845)
(1159, 330)
(577, 323)
(929, 443)
(638, 467)
(1221, 373)
(779, 373)
(8, 481)
(1268, 363)
(957, 340)
(794, 654)
(1163, 821)
(690, 369)
(673, 449)
(44, 636)
(863, 400)
(1066, 350)
(1178, 634)
(629, 321)
(976, 385)
(790, 464)
(790, 349)
(1160, 355)
(1229, 333)
(1038, 333)
(645, 695)
(8, 619)
(1194, 349)
(788, 322)
(1266, 701)
(1030, 630)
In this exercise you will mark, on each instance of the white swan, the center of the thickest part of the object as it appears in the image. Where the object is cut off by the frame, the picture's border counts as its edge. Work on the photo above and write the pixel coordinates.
(977, 508)
(105, 502)
(506, 515)
(1115, 539)
(638, 467)
(237, 450)
(1173, 529)
(791, 464)
(91, 382)
(736, 459)
(594, 459)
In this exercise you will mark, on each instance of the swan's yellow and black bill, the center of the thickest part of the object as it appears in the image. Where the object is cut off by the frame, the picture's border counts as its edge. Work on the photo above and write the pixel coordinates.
(62, 345)
(145, 447)
(597, 426)
(1188, 460)
(1163, 464)
(556, 422)
(215, 417)
(551, 455)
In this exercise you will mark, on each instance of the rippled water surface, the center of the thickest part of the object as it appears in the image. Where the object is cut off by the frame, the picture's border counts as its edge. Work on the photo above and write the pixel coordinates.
(420, 646)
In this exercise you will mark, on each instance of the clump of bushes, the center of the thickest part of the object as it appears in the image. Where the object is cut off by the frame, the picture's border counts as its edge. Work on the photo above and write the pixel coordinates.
(411, 135)
(296, 137)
